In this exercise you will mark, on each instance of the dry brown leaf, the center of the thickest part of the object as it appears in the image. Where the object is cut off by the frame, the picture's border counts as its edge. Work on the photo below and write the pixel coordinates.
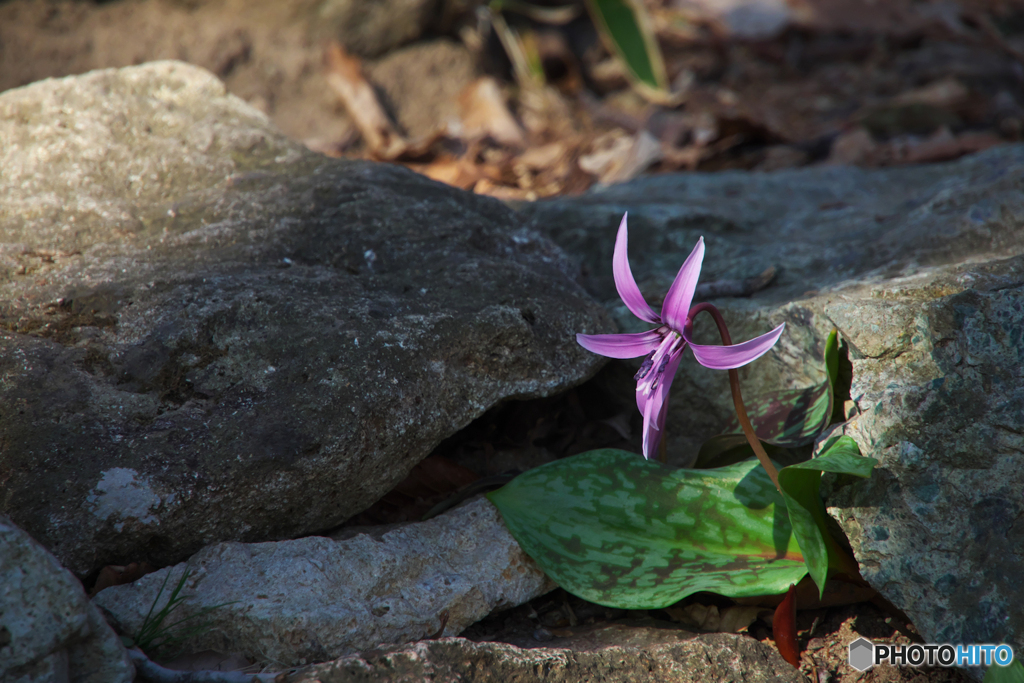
(941, 146)
(503, 192)
(460, 173)
(947, 93)
(485, 114)
(622, 157)
(115, 575)
(344, 74)
(606, 149)
(852, 147)
(732, 619)
(543, 157)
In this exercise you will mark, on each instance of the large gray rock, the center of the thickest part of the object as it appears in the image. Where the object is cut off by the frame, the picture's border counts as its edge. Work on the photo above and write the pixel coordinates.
(610, 654)
(212, 334)
(49, 631)
(941, 384)
(921, 270)
(315, 599)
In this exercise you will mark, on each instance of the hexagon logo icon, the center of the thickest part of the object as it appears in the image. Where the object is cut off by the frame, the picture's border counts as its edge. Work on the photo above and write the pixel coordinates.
(862, 654)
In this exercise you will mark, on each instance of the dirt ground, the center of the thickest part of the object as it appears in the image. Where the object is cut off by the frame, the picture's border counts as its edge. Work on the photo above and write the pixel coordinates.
(837, 81)
(833, 81)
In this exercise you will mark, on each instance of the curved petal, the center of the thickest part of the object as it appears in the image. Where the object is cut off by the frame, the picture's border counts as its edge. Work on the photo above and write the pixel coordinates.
(620, 345)
(624, 282)
(655, 408)
(680, 294)
(728, 357)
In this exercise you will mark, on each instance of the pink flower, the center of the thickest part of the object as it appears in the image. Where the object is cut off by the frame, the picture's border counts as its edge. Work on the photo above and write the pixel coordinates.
(664, 345)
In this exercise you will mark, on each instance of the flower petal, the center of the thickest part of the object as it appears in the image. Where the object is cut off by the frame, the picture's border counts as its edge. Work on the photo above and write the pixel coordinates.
(655, 408)
(680, 294)
(624, 282)
(728, 357)
(620, 345)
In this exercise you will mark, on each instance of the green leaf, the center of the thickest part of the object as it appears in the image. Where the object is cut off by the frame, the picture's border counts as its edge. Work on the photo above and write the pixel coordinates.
(794, 417)
(800, 485)
(625, 29)
(1012, 673)
(624, 532)
(832, 357)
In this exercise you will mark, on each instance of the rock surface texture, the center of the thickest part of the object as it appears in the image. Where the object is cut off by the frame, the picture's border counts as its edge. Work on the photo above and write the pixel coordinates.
(49, 631)
(210, 333)
(315, 599)
(609, 655)
(921, 270)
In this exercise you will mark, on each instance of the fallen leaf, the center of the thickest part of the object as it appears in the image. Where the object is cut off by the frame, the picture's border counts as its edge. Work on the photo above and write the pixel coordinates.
(852, 147)
(731, 619)
(543, 157)
(484, 114)
(941, 146)
(344, 74)
(948, 93)
(115, 575)
(503, 192)
(460, 173)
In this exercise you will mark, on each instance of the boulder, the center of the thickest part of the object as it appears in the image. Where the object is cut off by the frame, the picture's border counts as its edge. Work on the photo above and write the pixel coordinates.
(921, 269)
(610, 654)
(314, 599)
(210, 333)
(49, 631)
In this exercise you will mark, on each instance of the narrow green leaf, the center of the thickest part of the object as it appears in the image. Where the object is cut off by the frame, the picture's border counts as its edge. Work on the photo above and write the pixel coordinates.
(832, 357)
(625, 29)
(543, 14)
(1014, 673)
(624, 532)
(800, 485)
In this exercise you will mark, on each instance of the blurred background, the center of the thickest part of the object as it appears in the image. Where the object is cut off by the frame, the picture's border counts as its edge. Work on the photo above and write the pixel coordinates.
(524, 99)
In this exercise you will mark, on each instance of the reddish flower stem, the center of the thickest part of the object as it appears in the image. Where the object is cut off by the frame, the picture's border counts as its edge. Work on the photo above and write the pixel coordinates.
(737, 397)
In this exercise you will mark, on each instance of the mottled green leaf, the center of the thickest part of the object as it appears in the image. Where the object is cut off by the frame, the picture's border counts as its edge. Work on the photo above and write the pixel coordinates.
(794, 417)
(625, 29)
(800, 485)
(624, 532)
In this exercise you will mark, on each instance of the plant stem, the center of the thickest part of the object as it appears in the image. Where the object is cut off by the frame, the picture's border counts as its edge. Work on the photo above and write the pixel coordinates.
(737, 397)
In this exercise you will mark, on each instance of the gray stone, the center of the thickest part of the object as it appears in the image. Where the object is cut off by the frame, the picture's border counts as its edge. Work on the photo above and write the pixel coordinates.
(49, 631)
(211, 333)
(941, 387)
(921, 270)
(315, 599)
(610, 654)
